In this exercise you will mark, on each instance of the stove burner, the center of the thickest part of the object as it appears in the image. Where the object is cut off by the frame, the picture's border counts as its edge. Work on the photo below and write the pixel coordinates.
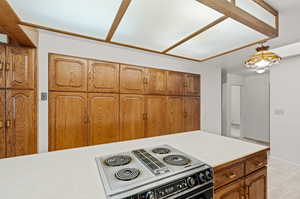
(127, 174)
(177, 160)
(161, 150)
(118, 160)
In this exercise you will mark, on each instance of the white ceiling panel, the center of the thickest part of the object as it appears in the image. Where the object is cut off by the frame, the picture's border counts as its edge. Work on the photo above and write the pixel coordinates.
(158, 24)
(86, 17)
(225, 36)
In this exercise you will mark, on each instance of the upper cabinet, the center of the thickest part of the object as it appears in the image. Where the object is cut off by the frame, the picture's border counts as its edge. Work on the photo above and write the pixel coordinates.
(191, 113)
(156, 81)
(192, 84)
(20, 68)
(175, 83)
(103, 77)
(2, 66)
(132, 79)
(67, 73)
(175, 111)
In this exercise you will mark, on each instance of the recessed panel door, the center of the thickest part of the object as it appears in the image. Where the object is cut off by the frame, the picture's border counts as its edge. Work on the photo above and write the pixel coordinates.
(2, 125)
(191, 113)
(175, 83)
(156, 82)
(132, 79)
(192, 85)
(175, 111)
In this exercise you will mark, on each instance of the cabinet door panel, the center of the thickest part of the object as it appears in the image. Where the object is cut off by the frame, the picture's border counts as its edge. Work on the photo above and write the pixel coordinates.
(20, 71)
(175, 120)
(103, 118)
(156, 81)
(132, 79)
(191, 113)
(175, 83)
(2, 124)
(132, 121)
(20, 122)
(156, 115)
(2, 66)
(67, 120)
(192, 85)
(103, 77)
(231, 191)
(256, 185)
(67, 73)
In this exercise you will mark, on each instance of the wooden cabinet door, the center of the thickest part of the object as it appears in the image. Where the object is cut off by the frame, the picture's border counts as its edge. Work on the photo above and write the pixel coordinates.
(156, 115)
(191, 113)
(192, 84)
(2, 125)
(231, 191)
(156, 81)
(103, 118)
(103, 77)
(68, 122)
(21, 136)
(175, 110)
(20, 71)
(132, 79)
(132, 117)
(67, 73)
(256, 185)
(2, 65)
(175, 83)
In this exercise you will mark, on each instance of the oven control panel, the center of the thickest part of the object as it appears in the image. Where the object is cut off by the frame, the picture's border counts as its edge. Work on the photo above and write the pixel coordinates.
(182, 185)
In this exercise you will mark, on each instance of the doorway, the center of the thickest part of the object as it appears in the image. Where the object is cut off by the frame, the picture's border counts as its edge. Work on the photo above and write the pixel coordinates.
(235, 112)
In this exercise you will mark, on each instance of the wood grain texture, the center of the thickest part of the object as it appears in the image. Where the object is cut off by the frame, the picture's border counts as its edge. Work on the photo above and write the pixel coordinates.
(232, 191)
(20, 68)
(192, 84)
(175, 111)
(121, 12)
(2, 125)
(175, 83)
(67, 73)
(267, 6)
(156, 81)
(156, 121)
(256, 185)
(103, 112)
(132, 121)
(191, 113)
(2, 65)
(21, 136)
(132, 79)
(256, 163)
(229, 174)
(103, 77)
(68, 120)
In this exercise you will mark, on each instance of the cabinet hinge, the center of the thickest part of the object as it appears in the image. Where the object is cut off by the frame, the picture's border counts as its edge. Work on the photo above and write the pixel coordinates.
(145, 80)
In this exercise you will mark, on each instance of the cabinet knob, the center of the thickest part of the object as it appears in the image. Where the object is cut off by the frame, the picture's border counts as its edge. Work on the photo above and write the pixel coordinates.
(7, 67)
(1, 124)
(8, 124)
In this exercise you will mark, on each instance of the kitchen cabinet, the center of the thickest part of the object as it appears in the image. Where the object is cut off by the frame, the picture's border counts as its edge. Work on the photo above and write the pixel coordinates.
(156, 115)
(20, 122)
(175, 83)
(132, 116)
(231, 191)
(103, 112)
(175, 111)
(103, 77)
(256, 185)
(132, 79)
(67, 73)
(156, 81)
(20, 68)
(68, 120)
(2, 125)
(2, 65)
(192, 84)
(191, 113)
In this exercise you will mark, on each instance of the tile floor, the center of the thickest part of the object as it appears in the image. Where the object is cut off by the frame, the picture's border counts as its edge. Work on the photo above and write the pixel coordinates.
(283, 180)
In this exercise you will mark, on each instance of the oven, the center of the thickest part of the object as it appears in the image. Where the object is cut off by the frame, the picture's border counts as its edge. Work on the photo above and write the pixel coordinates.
(199, 193)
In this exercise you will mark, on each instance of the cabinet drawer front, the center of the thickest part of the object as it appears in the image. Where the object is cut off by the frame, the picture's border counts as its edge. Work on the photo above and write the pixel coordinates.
(229, 174)
(256, 163)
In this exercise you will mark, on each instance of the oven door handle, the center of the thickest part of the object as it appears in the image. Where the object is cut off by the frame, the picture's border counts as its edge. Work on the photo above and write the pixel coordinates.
(191, 196)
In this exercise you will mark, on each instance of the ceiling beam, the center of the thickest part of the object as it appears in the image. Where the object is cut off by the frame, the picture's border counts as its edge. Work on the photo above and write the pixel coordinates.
(267, 6)
(121, 12)
(230, 10)
(195, 33)
(10, 23)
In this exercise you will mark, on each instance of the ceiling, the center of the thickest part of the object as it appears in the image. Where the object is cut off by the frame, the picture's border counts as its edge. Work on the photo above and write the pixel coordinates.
(183, 28)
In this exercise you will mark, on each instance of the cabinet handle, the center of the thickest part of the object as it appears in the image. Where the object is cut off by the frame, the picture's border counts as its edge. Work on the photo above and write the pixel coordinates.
(7, 67)
(231, 176)
(1, 65)
(145, 116)
(1, 124)
(8, 124)
(145, 81)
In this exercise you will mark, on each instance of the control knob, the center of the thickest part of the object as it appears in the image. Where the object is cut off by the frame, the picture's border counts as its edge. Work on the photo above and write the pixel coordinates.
(208, 175)
(191, 181)
(202, 178)
(150, 195)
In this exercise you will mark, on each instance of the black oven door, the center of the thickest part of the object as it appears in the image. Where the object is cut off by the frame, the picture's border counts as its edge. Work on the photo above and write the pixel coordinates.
(198, 194)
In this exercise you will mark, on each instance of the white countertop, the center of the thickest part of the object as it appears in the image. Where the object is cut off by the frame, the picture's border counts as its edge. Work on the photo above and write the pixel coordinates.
(73, 174)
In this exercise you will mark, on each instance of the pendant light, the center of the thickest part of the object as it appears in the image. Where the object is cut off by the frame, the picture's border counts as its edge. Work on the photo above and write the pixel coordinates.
(262, 60)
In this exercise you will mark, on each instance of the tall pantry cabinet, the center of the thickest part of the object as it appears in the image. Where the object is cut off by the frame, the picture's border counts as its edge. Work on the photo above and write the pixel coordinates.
(17, 101)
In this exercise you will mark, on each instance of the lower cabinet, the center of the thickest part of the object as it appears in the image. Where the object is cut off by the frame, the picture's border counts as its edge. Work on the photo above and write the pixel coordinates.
(68, 121)
(256, 185)
(175, 117)
(231, 191)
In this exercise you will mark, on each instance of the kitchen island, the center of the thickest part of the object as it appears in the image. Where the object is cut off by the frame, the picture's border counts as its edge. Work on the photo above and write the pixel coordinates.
(73, 174)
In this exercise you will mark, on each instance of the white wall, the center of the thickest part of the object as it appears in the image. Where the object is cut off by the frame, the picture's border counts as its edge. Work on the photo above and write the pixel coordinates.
(285, 110)
(235, 105)
(57, 43)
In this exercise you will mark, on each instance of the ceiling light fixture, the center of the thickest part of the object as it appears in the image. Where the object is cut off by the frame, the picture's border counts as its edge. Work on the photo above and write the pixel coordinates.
(262, 60)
